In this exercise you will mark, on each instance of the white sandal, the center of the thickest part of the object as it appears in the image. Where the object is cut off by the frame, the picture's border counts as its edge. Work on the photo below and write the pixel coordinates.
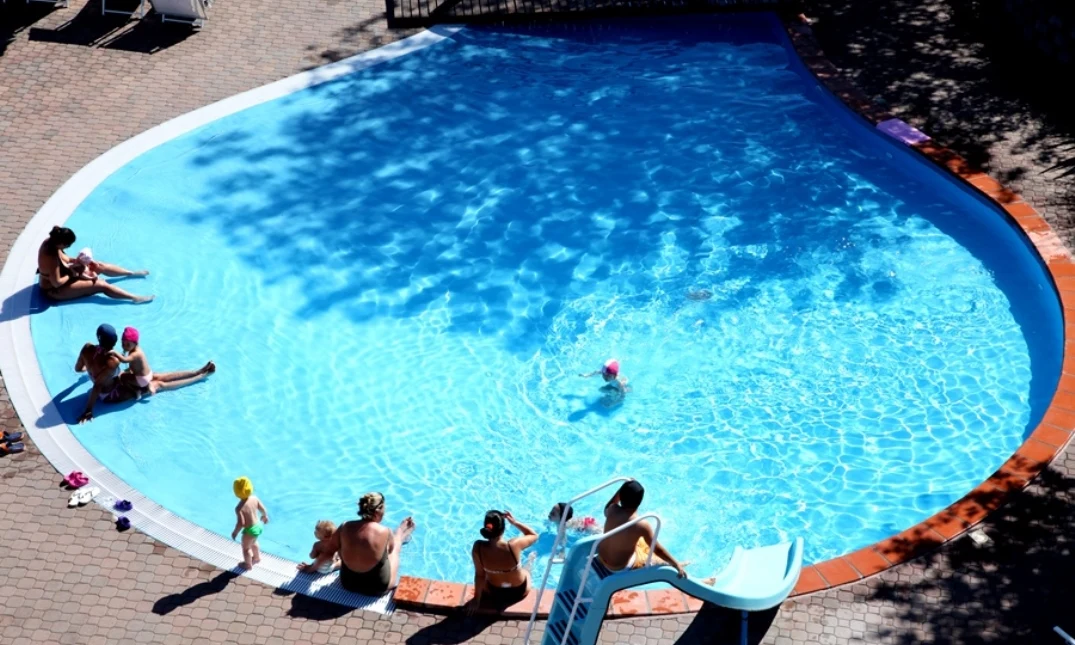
(86, 495)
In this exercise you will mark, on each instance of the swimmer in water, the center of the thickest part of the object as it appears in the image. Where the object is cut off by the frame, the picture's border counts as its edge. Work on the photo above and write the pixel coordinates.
(610, 372)
(587, 524)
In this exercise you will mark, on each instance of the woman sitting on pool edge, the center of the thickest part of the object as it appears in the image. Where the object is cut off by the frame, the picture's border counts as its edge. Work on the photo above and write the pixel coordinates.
(369, 552)
(62, 278)
(500, 579)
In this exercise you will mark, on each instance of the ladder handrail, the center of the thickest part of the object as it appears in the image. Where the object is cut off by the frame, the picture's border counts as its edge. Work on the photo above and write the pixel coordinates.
(593, 552)
(561, 536)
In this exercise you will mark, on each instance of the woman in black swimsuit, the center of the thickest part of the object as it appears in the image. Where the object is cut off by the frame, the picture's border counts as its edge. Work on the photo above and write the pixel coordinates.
(500, 579)
(62, 279)
(369, 552)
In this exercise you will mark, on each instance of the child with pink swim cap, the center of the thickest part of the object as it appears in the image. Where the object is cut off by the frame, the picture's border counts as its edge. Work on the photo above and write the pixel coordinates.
(138, 371)
(141, 379)
(610, 372)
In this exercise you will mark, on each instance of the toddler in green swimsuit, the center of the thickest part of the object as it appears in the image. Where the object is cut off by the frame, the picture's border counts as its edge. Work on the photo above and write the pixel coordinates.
(246, 521)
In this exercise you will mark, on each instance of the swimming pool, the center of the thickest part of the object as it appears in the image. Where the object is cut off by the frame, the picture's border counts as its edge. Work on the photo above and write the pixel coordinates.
(400, 273)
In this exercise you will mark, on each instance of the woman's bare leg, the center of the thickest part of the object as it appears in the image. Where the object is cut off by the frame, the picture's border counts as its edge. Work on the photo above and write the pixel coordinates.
(116, 271)
(160, 386)
(168, 377)
(399, 536)
(112, 291)
(83, 288)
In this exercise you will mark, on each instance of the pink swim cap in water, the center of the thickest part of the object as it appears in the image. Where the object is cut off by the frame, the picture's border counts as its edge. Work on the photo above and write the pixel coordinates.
(130, 335)
(612, 367)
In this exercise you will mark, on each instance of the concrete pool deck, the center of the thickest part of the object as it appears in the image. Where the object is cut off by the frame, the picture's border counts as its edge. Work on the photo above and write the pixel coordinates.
(70, 578)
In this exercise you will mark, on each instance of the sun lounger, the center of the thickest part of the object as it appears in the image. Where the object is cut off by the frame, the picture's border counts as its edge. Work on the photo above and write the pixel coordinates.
(191, 12)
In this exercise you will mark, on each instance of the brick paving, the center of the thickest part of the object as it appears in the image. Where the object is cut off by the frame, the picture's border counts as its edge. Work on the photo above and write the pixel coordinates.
(72, 85)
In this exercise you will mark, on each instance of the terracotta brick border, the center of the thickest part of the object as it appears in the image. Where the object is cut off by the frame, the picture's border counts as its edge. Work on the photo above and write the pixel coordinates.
(1046, 442)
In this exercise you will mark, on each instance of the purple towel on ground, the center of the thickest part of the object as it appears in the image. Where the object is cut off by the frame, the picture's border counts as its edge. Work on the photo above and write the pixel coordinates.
(900, 131)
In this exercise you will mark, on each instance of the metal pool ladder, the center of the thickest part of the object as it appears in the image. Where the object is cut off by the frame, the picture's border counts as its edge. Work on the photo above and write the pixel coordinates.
(574, 597)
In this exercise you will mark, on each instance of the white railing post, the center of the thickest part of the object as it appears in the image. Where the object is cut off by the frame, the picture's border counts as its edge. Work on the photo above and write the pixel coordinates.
(561, 538)
(589, 564)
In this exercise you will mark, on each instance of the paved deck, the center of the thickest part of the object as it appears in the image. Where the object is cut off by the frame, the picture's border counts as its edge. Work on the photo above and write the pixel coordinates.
(73, 85)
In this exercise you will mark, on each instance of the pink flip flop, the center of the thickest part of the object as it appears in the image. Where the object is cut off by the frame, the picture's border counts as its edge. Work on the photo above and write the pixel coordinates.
(76, 479)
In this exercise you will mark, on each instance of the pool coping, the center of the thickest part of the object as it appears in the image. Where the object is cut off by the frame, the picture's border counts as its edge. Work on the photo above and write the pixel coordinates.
(1030, 459)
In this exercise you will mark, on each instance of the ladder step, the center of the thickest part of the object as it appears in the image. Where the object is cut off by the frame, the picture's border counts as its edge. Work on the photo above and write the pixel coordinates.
(557, 631)
(567, 600)
(600, 569)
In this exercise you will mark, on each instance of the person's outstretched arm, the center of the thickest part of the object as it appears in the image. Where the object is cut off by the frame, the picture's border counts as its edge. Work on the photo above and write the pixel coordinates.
(612, 502)
(659, 551)
(479, 580)
(529, 535)
(87, 414)
(238, 522)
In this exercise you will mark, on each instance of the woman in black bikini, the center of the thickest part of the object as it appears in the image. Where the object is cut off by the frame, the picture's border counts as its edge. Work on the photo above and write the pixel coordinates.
(369, 552)
(62, 279)
(500, 579)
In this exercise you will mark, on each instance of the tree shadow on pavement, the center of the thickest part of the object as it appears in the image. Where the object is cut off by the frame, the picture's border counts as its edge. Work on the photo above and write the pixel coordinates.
(1009, 588)
(951, 68)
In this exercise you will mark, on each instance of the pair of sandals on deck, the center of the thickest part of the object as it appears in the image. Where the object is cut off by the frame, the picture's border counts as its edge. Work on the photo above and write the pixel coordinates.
(82, 495)
(11, 444)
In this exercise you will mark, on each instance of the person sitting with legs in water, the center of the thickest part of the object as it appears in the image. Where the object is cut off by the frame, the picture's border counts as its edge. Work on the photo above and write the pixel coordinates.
(500, 578)
(102, 366)
(141, 379)
(369, 552)
(61, 278)
(630, 548)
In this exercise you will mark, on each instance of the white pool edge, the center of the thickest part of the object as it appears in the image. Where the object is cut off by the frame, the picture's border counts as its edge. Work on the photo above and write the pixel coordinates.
(22, 374)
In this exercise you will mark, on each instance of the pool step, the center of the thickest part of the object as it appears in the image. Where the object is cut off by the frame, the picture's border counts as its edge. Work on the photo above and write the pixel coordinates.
(557, 631)
(566, 599)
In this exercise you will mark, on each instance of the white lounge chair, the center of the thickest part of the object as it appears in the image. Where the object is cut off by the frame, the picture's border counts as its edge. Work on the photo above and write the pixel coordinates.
(191, 12)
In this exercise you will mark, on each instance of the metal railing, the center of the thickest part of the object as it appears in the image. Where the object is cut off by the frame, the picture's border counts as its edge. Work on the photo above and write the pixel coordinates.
(558, 546)
(589, 559)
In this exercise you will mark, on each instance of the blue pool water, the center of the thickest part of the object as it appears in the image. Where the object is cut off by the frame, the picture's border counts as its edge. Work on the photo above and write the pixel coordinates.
(401, 272)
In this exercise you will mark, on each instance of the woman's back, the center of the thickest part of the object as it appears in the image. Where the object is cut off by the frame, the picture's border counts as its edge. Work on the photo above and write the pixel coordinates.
(363, 543)
(500, 560)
